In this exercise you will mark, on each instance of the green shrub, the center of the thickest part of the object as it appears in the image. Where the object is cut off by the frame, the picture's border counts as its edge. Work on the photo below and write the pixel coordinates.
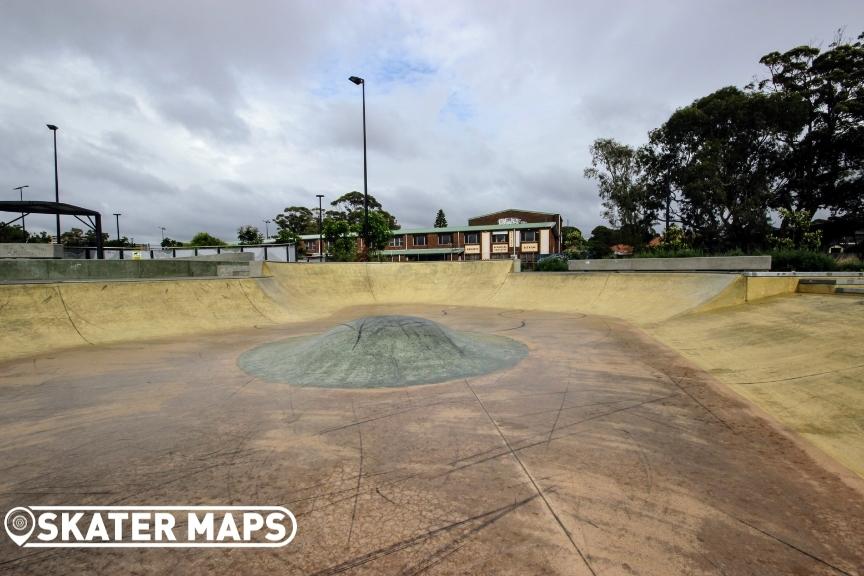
(552, 264)
(801, 261)
(850, 266)
(661, 252)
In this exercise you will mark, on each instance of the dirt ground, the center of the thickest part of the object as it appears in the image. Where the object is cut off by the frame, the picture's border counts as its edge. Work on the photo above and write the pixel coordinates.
(602, 452)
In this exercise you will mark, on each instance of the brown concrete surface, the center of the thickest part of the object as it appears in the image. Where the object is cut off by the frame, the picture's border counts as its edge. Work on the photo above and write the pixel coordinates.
(625, 443)
(800, 358)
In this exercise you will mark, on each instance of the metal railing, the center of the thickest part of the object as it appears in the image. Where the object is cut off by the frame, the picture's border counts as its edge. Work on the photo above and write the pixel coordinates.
(264, 252)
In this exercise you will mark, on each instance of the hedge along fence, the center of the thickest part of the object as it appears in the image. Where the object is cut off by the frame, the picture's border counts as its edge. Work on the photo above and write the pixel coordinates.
(781, 260)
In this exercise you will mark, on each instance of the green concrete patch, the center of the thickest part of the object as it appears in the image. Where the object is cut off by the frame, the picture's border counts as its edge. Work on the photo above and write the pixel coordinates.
(382, 352)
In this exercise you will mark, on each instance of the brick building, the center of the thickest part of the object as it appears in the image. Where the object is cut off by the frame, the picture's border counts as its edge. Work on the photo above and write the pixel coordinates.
(500, 235)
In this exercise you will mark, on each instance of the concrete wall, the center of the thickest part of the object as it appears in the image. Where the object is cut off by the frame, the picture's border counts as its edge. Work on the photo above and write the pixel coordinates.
(51, 316)
(712, 263)
(31, 250)
(66, 270)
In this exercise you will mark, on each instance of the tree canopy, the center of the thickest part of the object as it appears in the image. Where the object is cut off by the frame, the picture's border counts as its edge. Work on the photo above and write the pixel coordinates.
(341, 225)
(205, 239)
(440, 219)
(249, 235)
(725, 166)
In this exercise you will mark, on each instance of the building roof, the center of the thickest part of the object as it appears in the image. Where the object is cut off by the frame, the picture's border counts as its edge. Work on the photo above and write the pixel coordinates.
(513, 210)
(478, 228)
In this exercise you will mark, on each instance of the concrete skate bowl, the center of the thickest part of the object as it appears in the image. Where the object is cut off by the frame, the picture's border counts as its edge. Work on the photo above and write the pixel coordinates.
(666, 410)
(753, 333)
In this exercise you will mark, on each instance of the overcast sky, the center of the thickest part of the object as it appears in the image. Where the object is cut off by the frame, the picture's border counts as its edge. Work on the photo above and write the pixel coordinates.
(212, 114)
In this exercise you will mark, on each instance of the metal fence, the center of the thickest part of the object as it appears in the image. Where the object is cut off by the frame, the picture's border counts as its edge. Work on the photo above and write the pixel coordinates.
(264, 252)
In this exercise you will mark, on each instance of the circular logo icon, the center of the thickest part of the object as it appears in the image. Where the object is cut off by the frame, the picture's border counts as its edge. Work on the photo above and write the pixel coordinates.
(19, 523)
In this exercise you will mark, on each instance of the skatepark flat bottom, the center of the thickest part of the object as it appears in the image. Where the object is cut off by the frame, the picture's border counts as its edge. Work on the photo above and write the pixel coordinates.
(601, 452)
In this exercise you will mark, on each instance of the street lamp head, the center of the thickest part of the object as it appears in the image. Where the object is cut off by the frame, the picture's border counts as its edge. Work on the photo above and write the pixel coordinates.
(52, 127)
(356, 80)
(319, 195)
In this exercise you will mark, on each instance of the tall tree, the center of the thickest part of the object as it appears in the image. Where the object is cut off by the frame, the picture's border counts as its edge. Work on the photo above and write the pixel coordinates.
(440, 219)
(572, 242)
(822, 165)
(719, 153)
(350, 207)
(249, 235)
(379, 234)
(297, 220)
(619, 174)
(341, 238)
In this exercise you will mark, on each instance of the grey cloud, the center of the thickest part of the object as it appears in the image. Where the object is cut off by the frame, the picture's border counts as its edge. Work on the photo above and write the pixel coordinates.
(210, 115)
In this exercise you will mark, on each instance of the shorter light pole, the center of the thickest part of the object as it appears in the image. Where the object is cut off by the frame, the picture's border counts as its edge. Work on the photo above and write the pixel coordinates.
(266, 229)
(117, 216)
(320, 237)
(162, 228)
(21, 192)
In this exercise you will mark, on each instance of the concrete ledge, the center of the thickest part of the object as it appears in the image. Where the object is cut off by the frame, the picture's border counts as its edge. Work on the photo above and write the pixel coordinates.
(807, 274)
(66, 270)
(31, 250)
(223, 257)
(704, 263)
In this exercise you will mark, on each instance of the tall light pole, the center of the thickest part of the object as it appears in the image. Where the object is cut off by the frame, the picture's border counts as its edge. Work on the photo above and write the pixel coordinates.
(21, 192)
(162, 228)
(54, 129)
(117, 216)
(266, 229)
(361, 82)
(320, 238)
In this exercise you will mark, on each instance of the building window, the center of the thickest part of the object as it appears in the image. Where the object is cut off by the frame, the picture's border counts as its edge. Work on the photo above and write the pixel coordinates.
(472, 238)
(444, 239)
(419, 240)
(499, 237)
(529, 235)
(397, 241)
